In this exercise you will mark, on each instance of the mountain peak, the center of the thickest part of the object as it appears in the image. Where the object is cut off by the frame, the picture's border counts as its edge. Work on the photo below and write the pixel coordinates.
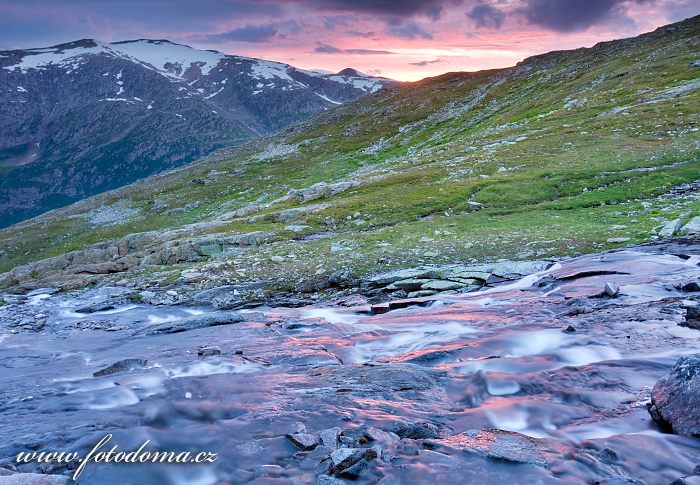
(349, 71)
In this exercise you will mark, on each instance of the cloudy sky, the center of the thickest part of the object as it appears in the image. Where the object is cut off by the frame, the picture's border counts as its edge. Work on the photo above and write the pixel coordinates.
(403, 39)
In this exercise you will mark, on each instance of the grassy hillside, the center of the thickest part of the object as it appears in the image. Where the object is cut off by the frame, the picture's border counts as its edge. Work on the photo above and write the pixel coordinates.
(565, 153)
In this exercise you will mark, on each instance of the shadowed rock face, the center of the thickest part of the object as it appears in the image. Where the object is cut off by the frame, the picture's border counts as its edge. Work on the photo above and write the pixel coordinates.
(84, 117)
(675, 400)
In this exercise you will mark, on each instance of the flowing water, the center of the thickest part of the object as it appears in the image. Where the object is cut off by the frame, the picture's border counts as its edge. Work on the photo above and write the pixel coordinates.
(492, 359)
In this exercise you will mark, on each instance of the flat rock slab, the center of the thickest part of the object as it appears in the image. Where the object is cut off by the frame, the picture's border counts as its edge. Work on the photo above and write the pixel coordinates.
(675, 399)
(198, 321)
(501, 445)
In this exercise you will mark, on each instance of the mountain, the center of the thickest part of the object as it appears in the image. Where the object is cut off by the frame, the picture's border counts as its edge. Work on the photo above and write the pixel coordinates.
(80, 118)
(565, 153)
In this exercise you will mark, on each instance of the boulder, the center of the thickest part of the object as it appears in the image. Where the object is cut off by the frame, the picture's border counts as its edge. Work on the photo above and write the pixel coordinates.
(675, 399)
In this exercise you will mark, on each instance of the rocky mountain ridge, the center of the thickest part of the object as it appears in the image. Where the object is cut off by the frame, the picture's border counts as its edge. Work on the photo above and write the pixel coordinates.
(88, 116)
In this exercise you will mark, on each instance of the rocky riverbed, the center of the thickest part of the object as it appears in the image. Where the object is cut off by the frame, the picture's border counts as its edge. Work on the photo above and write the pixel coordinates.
(548, 378)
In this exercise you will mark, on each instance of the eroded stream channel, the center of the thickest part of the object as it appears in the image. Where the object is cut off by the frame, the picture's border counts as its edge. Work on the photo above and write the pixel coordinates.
(571, 405)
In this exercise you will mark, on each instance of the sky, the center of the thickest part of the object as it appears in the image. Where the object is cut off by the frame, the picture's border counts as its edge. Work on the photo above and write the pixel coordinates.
(401, 39)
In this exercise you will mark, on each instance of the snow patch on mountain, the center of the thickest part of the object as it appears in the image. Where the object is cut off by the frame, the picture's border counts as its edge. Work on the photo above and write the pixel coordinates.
(167, 57)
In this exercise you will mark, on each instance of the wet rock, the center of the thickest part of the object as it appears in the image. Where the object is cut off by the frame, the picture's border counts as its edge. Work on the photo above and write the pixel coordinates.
(271, 471)
(121, 366)
(249, 448)
(569, 329)
(329, 437)
(303, 441)
(501, 445)
(396, 305)
(355, 471)
(95, 307)
(611, 289)
(195, 322)
(608, 456)
(209, 351)
(692, 316)
(690, 286)
(318, 459)
(381, 436)
(415, 431)
(328, 480)
(344, 458)
(675, 399)
(33, 479)
(365, 379)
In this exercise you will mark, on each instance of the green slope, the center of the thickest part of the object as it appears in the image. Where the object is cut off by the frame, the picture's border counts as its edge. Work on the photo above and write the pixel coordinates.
(552, 157)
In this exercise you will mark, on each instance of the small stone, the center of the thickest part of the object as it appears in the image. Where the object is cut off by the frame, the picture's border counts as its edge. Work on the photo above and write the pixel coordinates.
(303, 441)
(569, 329)
(208, 351)
(615, 240)
(611, 289)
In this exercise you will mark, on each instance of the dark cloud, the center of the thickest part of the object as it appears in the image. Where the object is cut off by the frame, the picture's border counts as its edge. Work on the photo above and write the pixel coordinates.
(406, 29)
(427, 63)
(248, 33)
(329, 49)
(335, 21)
(570, 16)
(485, 15)
(253, 33)
(401, 8)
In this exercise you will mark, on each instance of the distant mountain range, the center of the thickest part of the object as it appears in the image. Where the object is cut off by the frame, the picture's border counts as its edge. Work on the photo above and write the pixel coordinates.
(80, 118)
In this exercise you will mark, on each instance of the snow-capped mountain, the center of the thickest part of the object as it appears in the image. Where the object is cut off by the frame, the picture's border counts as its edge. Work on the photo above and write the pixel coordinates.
(88, 116)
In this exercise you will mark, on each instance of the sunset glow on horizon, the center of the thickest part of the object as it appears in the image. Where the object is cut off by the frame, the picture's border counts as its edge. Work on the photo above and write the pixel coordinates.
(404, 40)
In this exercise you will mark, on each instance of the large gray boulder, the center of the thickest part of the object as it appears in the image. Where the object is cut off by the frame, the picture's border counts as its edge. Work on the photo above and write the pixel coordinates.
(675, 399)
